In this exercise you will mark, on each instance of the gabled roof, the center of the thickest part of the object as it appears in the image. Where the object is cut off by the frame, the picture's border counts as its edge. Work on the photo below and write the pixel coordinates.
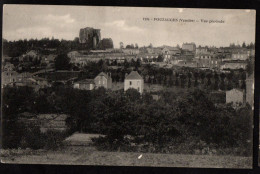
(103, 74)
(235, 89)
(134, 76)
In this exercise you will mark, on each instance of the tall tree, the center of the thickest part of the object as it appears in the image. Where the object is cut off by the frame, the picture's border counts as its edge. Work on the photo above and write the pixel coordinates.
(176, 79)
(196, 75)
(230, 78)
(202, 77)
(189, 78)
(209, 76)
(222, 84)
(62, 62)
(216, 81)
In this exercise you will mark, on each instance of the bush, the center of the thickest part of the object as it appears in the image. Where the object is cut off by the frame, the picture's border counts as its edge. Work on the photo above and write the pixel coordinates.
(32, 138)
(54, 139)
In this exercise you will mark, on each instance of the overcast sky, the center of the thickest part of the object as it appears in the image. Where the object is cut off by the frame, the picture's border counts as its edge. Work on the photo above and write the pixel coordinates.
(126, 24)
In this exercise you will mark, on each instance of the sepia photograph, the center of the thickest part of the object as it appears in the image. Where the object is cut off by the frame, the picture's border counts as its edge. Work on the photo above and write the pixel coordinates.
(127, 86)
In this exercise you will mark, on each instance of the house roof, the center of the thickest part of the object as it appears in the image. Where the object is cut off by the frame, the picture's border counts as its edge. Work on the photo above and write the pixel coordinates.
(103, 74)
(86, 81)
(235, 89)
(134, 76)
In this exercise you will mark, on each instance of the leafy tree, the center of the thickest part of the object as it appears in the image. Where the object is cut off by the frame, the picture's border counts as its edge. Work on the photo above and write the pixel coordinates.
(230, 78)
(222, 84)
(244, 45)
(160, 58)
(216, 81)
(196, 75)
(189, 77)
(62, 62)
(202, 77)
(209, 76)
(183, 80)
(132, 94)
(16, 100)
(176, 79)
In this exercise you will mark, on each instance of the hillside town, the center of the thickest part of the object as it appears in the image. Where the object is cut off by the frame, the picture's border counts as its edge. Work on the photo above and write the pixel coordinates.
(128, 86)
(66, 94)
(35, 67)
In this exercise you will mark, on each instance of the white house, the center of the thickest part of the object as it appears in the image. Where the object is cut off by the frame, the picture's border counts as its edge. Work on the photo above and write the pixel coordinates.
(135, 81)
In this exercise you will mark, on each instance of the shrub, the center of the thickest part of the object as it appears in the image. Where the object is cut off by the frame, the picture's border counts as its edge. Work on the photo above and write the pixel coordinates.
(54, 139)
(32, 138)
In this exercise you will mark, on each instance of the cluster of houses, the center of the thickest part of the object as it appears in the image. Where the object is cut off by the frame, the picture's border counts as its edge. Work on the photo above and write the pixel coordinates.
(188, 55)
(132, 80)
(13, 78)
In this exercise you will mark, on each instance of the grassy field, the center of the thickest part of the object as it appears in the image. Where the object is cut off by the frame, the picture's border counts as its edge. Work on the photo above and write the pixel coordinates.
(79, 151)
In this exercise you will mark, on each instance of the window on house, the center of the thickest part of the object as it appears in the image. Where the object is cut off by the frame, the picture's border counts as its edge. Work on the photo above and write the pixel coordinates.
(130, 83)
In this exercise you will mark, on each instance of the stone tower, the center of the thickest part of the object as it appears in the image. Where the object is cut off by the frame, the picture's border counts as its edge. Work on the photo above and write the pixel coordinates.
(90, 36)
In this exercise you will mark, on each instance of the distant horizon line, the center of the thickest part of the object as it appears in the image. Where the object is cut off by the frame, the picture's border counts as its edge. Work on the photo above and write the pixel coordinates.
(202, 45)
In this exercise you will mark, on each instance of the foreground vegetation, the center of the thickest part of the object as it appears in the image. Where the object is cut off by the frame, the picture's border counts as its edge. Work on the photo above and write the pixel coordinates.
(188, 122)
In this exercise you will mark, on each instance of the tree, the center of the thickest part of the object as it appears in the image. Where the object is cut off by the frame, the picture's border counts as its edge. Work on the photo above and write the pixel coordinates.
(222, 84)
(137, 63)
(121, 45)
(202, 77)
(196, 75)
(16, 100)
(189, 82)
(132, 95)
(244, 45)
(150, 45)
(170, 81)
(230, 77)
(176, 79)
(130, 46)
(250, 67)
(216, 81)
(136, 46)
(183, 80)
(209, 76)
(62, 62)
(243, 77)
(160, 58)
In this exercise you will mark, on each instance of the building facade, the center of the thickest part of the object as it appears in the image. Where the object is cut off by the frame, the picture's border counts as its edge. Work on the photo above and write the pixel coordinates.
(103, 80)
(233, 65)
(135, 81)
(240, 56)
(87, 84)
(189, 47)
